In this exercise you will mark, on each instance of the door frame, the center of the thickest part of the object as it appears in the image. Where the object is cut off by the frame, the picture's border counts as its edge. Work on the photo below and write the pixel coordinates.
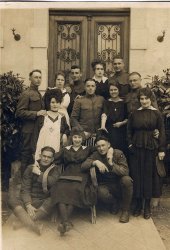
(58, 14)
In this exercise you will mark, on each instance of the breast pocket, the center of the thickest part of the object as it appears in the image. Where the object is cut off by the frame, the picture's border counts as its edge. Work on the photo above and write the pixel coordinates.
(35, 103)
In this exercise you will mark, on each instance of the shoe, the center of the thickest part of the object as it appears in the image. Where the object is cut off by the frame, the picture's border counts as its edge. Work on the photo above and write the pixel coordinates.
(137, 212)
(114, 207)
(68, 226)
(37, 228)
(147, 209)
(61, 228)
(147, 214)
(124, 218)
(114, 210)
(17, 225)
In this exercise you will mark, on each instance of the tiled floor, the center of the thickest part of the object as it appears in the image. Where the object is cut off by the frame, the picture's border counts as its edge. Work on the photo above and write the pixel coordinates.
(106, 234)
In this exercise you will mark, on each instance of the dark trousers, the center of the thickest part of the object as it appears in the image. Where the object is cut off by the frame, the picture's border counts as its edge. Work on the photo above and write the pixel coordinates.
(121, 189)
(26, 152)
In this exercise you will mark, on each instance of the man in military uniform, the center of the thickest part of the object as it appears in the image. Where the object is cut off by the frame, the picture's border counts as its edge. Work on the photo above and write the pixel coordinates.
(113, 178)
(120, 76)
(29, 107)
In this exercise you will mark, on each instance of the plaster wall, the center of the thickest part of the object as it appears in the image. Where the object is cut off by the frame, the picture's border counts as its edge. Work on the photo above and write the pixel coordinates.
(147, 55)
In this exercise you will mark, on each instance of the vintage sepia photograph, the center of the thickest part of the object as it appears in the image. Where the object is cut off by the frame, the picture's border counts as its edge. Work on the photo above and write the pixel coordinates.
(85, 125)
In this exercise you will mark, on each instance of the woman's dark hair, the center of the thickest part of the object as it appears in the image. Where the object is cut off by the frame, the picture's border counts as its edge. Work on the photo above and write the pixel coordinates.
(98, 61)
(52, 93)
(115, 84)
(146, 92)
(58, 74)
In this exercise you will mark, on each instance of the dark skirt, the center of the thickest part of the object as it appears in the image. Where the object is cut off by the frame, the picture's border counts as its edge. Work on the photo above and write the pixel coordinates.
(146, 181)
(76, 191)
(118, 139)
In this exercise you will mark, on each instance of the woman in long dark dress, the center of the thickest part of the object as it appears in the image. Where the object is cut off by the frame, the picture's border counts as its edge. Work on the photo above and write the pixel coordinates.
(74, 187)
(114, 119)
(144, 148)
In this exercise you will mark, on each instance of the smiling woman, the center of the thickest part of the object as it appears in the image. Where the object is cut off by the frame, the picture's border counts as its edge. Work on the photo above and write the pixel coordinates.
(144, 147)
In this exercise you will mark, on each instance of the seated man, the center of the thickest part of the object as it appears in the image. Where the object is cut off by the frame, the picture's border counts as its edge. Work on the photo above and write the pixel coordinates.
(112, 176)
(34, 202)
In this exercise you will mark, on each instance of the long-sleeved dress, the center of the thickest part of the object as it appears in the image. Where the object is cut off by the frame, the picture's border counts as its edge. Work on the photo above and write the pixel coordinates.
(73, 187)
(116, 112)
(143, 170)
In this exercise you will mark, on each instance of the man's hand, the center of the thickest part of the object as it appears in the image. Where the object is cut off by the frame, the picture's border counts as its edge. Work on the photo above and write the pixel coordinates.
(101, 167)
(78, 97)
(36, 170)
(68, 89)
(31, 211)
(41, 112)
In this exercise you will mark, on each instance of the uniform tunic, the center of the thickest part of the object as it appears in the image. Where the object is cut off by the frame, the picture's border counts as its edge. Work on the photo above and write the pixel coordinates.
(73, 187)
(86, 114)
(141, 125)
(116, 112)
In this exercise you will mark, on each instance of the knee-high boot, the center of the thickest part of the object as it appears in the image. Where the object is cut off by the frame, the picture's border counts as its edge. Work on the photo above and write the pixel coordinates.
(147, 209)
(22, 215)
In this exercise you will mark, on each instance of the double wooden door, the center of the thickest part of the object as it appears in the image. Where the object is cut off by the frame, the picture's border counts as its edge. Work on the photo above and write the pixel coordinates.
(77, 38)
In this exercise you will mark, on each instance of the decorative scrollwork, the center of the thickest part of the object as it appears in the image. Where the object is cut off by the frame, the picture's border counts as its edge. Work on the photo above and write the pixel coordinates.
(107, 55)
(68, 31)
(68, 55)
(109, 31)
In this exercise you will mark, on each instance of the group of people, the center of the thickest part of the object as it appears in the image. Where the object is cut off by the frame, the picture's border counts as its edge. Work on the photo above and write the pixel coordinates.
(112, 126)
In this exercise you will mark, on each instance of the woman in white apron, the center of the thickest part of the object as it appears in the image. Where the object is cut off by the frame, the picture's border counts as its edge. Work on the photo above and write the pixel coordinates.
(52, 129)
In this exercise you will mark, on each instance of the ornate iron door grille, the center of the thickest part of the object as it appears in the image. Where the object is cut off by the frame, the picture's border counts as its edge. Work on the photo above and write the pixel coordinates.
(108, 43)
(68, 45)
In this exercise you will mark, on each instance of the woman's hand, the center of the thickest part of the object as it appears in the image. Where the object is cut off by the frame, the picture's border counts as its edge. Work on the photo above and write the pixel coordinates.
(87, 135)
(64, 140)
(117, 124)
(156, 133)
(36, 170)
(103, 128)
(161, 156)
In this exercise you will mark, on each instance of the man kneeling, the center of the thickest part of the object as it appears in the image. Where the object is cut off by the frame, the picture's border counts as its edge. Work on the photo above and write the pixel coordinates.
(112, 176)
(34, 202)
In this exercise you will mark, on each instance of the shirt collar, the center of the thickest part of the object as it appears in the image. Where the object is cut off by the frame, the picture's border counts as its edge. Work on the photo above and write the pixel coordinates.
(104, 78)
(151, 108)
